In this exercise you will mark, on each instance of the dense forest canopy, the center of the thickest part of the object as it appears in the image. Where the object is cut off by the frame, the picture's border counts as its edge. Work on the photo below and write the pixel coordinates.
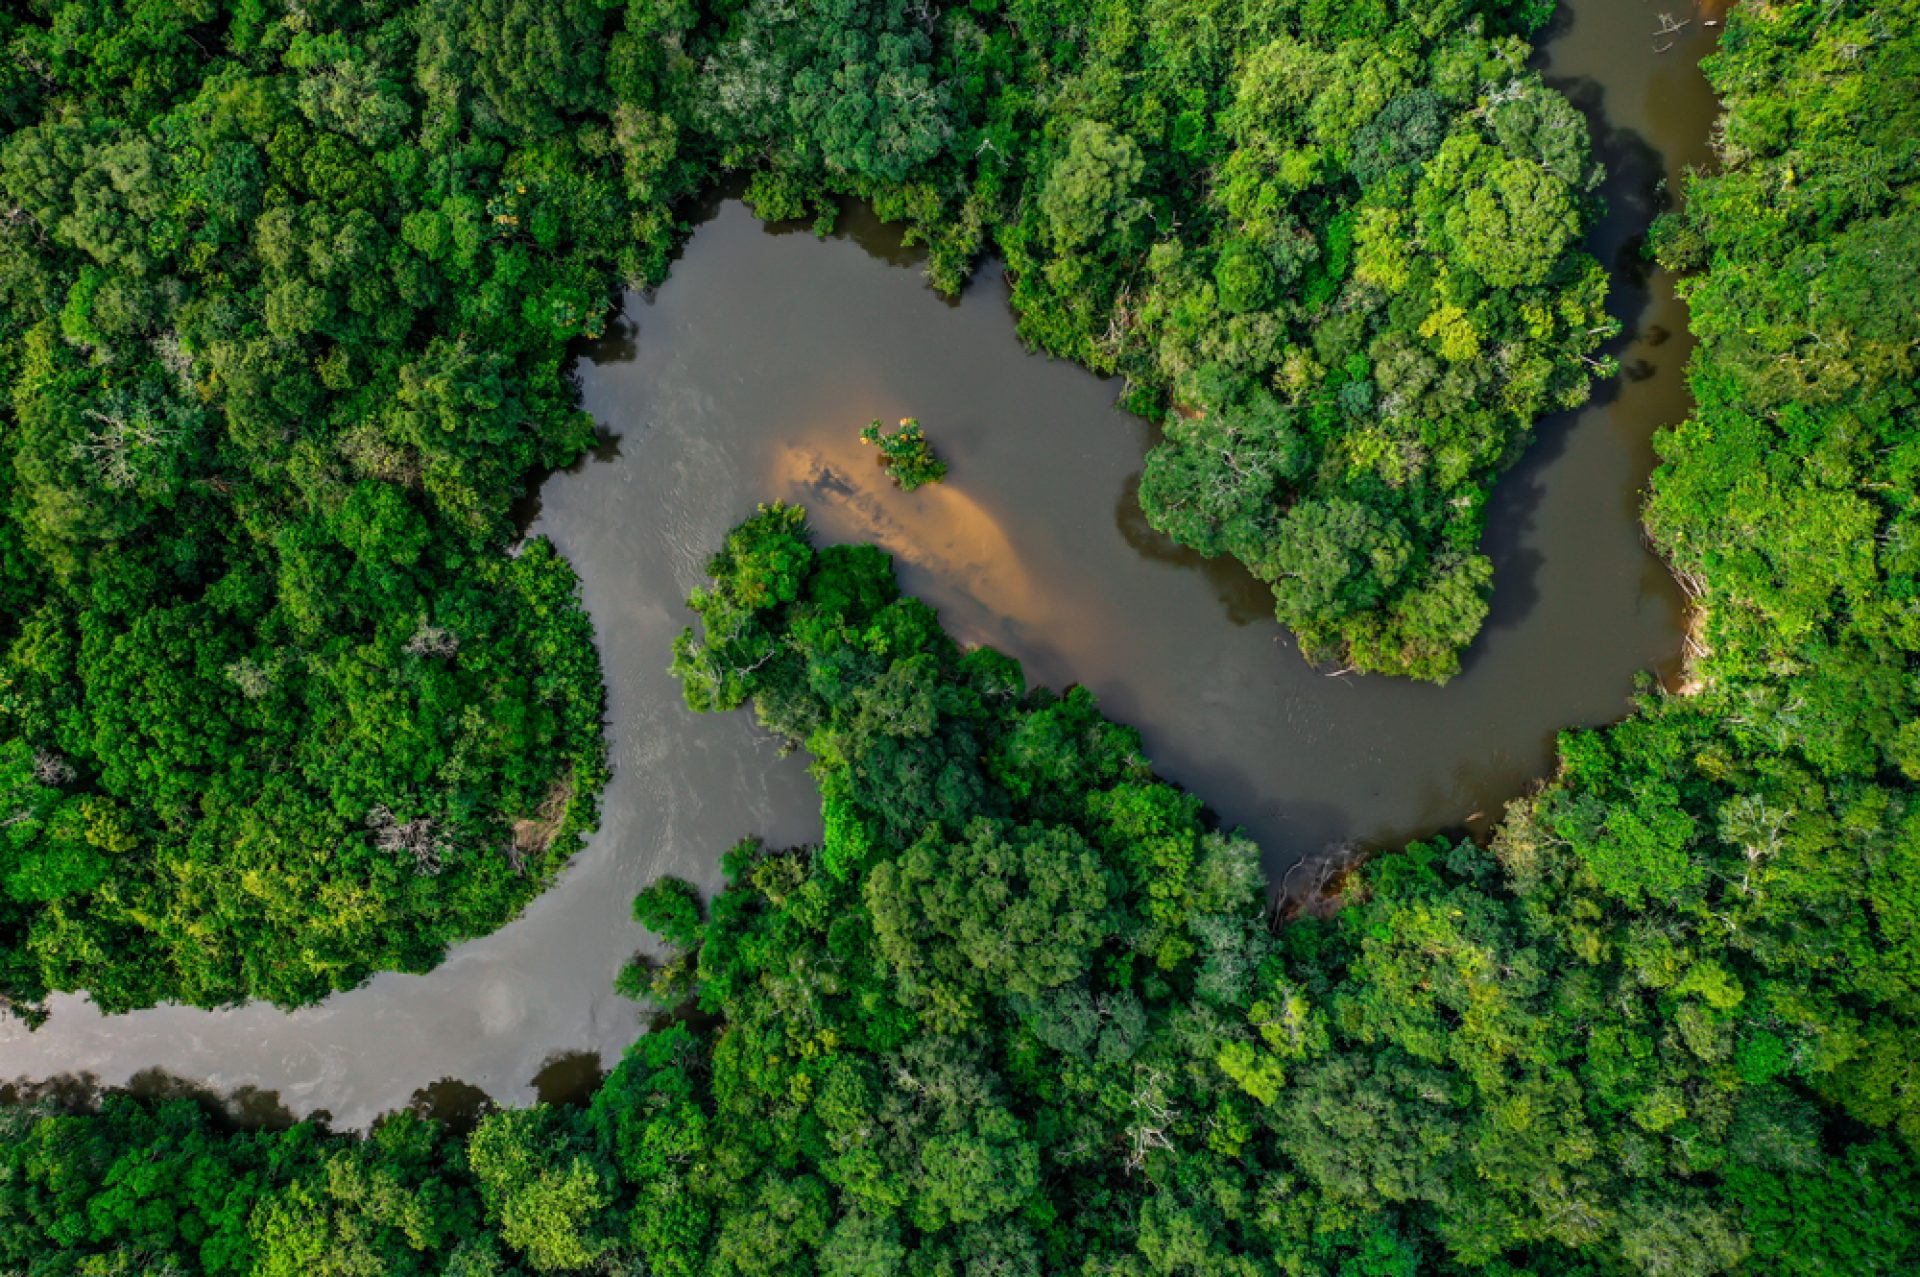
(1334, 246)
(1023, 1009)
(287, 294)
(286, 297)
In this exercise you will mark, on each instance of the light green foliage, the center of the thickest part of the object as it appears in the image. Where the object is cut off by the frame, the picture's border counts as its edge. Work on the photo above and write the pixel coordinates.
(1507, 218)
(1787, 497)
(1299, 230)
(542, 1188)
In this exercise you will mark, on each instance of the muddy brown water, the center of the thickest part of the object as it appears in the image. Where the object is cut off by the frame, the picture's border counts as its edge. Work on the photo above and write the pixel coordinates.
(747, 377)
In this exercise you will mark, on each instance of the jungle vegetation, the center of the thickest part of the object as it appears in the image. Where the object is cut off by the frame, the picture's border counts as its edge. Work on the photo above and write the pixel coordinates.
(1333, 246)
(282, 702)
(1024, 1009)
(287, 292)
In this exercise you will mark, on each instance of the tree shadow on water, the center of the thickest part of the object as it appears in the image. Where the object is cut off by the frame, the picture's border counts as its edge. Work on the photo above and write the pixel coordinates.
(245, 1108)
(568, 1077)
(618, 344)
(457, 1105)
(1554, 28)
(1247, 600)
(525, 511)
(855, 222)
(1633, 193)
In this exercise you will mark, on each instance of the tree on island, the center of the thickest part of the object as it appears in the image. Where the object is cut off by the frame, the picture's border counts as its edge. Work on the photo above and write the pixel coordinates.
(906, 453)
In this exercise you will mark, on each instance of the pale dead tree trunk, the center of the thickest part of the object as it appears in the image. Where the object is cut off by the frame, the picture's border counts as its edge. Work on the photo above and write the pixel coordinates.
(1669, 31)
(1144, 1140)
(433, 640)
(1757, 830)
(110, 448)
(175, 358)
(50, 769)
(1325, 867)
(419, 838)
(1155, 1116)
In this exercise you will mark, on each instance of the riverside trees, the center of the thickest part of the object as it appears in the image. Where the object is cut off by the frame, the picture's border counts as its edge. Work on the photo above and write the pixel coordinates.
(287, 293)
(285, 302)
(1024, 1010)
(1351, 231)
(1339, 257)
(1662, 1025)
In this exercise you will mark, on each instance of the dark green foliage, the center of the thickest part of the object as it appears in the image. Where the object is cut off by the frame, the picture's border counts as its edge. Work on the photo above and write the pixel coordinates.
(1023, 1011)
(286, 298)
(1617, 1042)
(285, 305)
(906, 454)
(670, 908)
(165, 1187)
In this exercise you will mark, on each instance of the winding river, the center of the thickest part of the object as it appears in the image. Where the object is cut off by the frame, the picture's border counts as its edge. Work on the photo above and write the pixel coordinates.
(748, 377)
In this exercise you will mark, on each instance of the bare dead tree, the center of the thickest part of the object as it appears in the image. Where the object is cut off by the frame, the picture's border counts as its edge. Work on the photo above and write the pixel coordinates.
(252, 678)
(111, 447)
(1153, 1116)
(175, 358)
(51, 769)
(1313, 883)
(1757, 830)
(433, 640)
(419, 838)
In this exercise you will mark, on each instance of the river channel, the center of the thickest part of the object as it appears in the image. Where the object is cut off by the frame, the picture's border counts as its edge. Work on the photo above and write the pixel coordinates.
(748, 376)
